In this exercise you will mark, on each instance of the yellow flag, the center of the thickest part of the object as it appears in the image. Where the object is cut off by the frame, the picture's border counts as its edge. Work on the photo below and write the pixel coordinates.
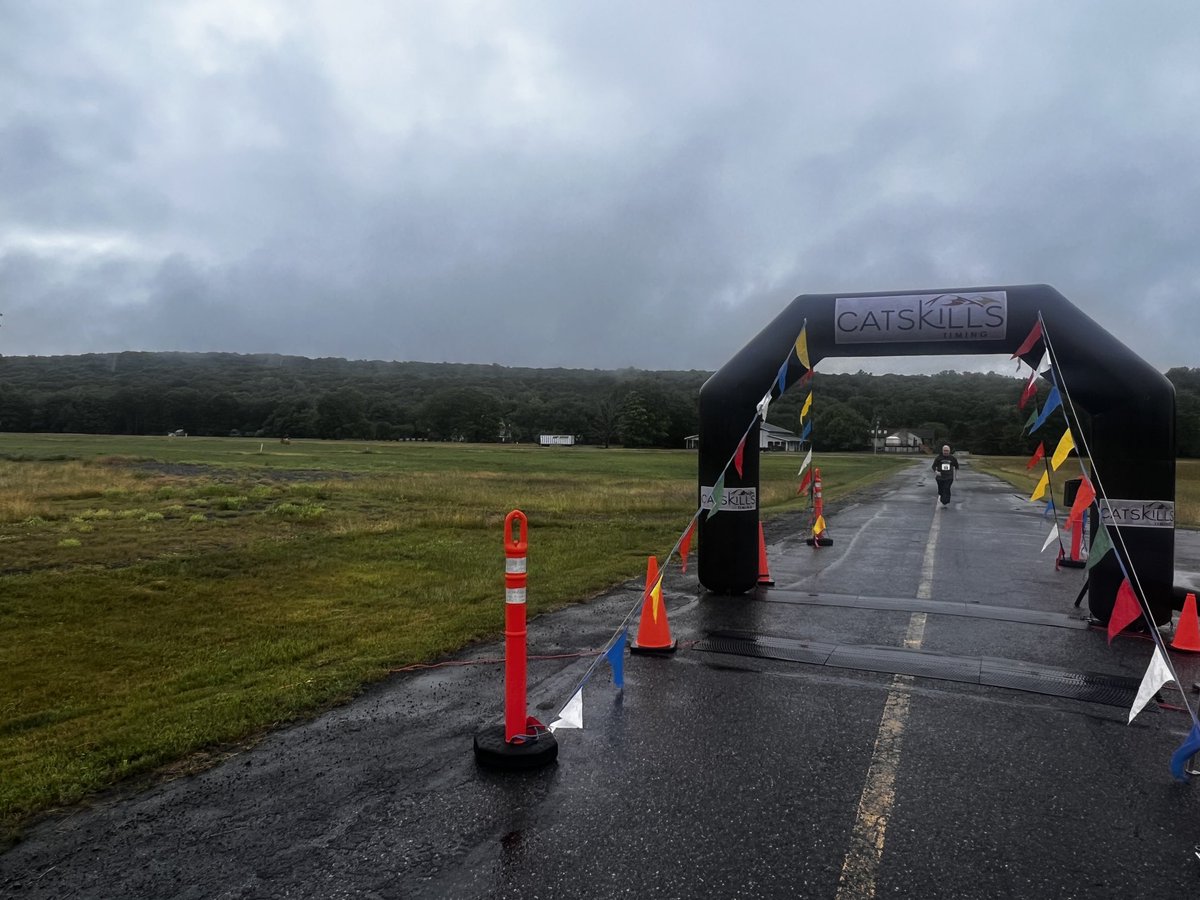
(1065, 446)
(802, 347)
(819, 525)
(656, 599)
(1040, 490)
(807, 405)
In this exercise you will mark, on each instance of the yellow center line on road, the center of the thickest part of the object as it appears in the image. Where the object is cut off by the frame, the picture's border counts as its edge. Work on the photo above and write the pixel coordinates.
(861, 866)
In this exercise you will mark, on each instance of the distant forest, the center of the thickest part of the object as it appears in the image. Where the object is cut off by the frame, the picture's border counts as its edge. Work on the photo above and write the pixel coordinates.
(276, 396)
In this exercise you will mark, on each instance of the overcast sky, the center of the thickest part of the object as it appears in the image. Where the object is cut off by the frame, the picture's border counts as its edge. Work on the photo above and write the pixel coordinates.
(584, 184)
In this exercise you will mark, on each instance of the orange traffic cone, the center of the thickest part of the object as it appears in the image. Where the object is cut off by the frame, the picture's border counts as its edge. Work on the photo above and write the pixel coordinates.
(1187, 632)
(764, 573)
(654, 632)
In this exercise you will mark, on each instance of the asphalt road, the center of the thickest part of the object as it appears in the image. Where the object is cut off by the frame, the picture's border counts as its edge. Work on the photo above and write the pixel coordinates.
(717, 773)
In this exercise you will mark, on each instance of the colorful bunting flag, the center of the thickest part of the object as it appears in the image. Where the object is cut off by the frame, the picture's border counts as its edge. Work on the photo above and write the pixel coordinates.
(1030, 391)
(1049, 510)
(1033, 337)
(1189, 748)
(818, 526)
(781, 378)
(1083, 499)
(802, 348)
(1041, 486)
(656, 599)
(1053, 536)
(1125, 610)
(1037, 456)
(807, 406)
(807, 430)
(1065, 445)
(738, 454)
(1032, 418)
(1157, 674)
(763, 405)
(1101, 547)
(805, 379)
(571, 715)
(686, 545)
(807, 461)
(1053, 401)
(718, 494)
(804, 482)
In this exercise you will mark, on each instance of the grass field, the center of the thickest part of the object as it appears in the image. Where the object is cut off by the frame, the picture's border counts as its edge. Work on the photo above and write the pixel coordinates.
(163, 597)
(1012, 470)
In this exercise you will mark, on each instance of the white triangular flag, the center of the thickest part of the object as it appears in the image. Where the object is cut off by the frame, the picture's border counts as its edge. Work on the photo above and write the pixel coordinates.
(571, 715)
(763, 405)
(1157, 674)
(1053, 536)
(807, 460)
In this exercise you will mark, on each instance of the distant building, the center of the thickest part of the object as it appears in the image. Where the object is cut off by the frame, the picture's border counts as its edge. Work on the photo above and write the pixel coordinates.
(903, 442)
(770, 437)
(557, 440)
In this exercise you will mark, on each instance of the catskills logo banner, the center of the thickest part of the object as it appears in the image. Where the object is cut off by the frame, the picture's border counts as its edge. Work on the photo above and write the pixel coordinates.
(921, 317)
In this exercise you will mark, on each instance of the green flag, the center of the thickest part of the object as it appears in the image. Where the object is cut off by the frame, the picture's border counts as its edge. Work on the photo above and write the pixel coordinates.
(1032, 418)
(1100, 547)
(718, 493)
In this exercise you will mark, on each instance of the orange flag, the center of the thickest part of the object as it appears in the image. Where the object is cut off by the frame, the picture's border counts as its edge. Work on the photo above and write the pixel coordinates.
(1125, 610)
(1029, 341)
(1083, 500)
(1037, 455)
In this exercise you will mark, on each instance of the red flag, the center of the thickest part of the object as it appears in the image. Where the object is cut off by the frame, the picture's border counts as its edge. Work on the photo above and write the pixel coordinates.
(686, 545)
(1125, 610)
(805, 378)
(1037, 455)
(1028, 343)
(805, 481)
(1030, 390)
(737, 456)
(1083, 500)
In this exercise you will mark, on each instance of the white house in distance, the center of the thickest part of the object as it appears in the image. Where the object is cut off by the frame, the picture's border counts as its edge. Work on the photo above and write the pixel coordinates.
(770, 437)
(901, 442)
(557, 440)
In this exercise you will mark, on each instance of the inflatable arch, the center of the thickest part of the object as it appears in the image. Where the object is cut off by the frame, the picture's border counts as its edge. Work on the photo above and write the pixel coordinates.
(1127, 408)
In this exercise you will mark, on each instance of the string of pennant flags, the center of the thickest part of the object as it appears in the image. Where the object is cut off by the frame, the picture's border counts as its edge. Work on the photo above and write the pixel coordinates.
(1127, 608)
(570, 715)
(1129, 604)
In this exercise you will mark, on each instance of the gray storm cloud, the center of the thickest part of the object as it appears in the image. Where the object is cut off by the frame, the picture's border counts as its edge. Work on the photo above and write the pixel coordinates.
(595, 185)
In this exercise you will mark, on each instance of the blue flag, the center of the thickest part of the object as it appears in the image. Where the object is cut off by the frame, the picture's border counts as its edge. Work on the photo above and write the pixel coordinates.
(1190, 747)
(781, 379)
(1053, 402)
(616, 658)
(807, 430)
(1049, 509)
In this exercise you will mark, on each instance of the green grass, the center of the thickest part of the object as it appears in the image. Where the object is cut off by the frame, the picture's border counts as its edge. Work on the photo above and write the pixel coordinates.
(1012, 469)
(150, 611)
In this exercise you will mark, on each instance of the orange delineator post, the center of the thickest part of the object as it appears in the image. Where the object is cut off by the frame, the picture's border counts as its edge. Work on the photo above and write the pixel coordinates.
(516, 546)
(764, 573)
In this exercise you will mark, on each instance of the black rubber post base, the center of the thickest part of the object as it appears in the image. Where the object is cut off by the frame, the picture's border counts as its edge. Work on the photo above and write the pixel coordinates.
(1072, 563)
(765, 582)
(492, 751)
(654, 651)
(819, 542)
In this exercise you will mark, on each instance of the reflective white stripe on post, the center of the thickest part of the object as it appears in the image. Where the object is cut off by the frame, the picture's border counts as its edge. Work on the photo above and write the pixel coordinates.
(514, 595)
(514, 565)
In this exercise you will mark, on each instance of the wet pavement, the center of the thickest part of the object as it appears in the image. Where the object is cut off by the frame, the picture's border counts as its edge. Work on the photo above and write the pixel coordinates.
(716, 773)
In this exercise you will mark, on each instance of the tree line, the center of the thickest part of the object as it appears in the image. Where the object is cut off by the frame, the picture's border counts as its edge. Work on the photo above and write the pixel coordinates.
(286, 396)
